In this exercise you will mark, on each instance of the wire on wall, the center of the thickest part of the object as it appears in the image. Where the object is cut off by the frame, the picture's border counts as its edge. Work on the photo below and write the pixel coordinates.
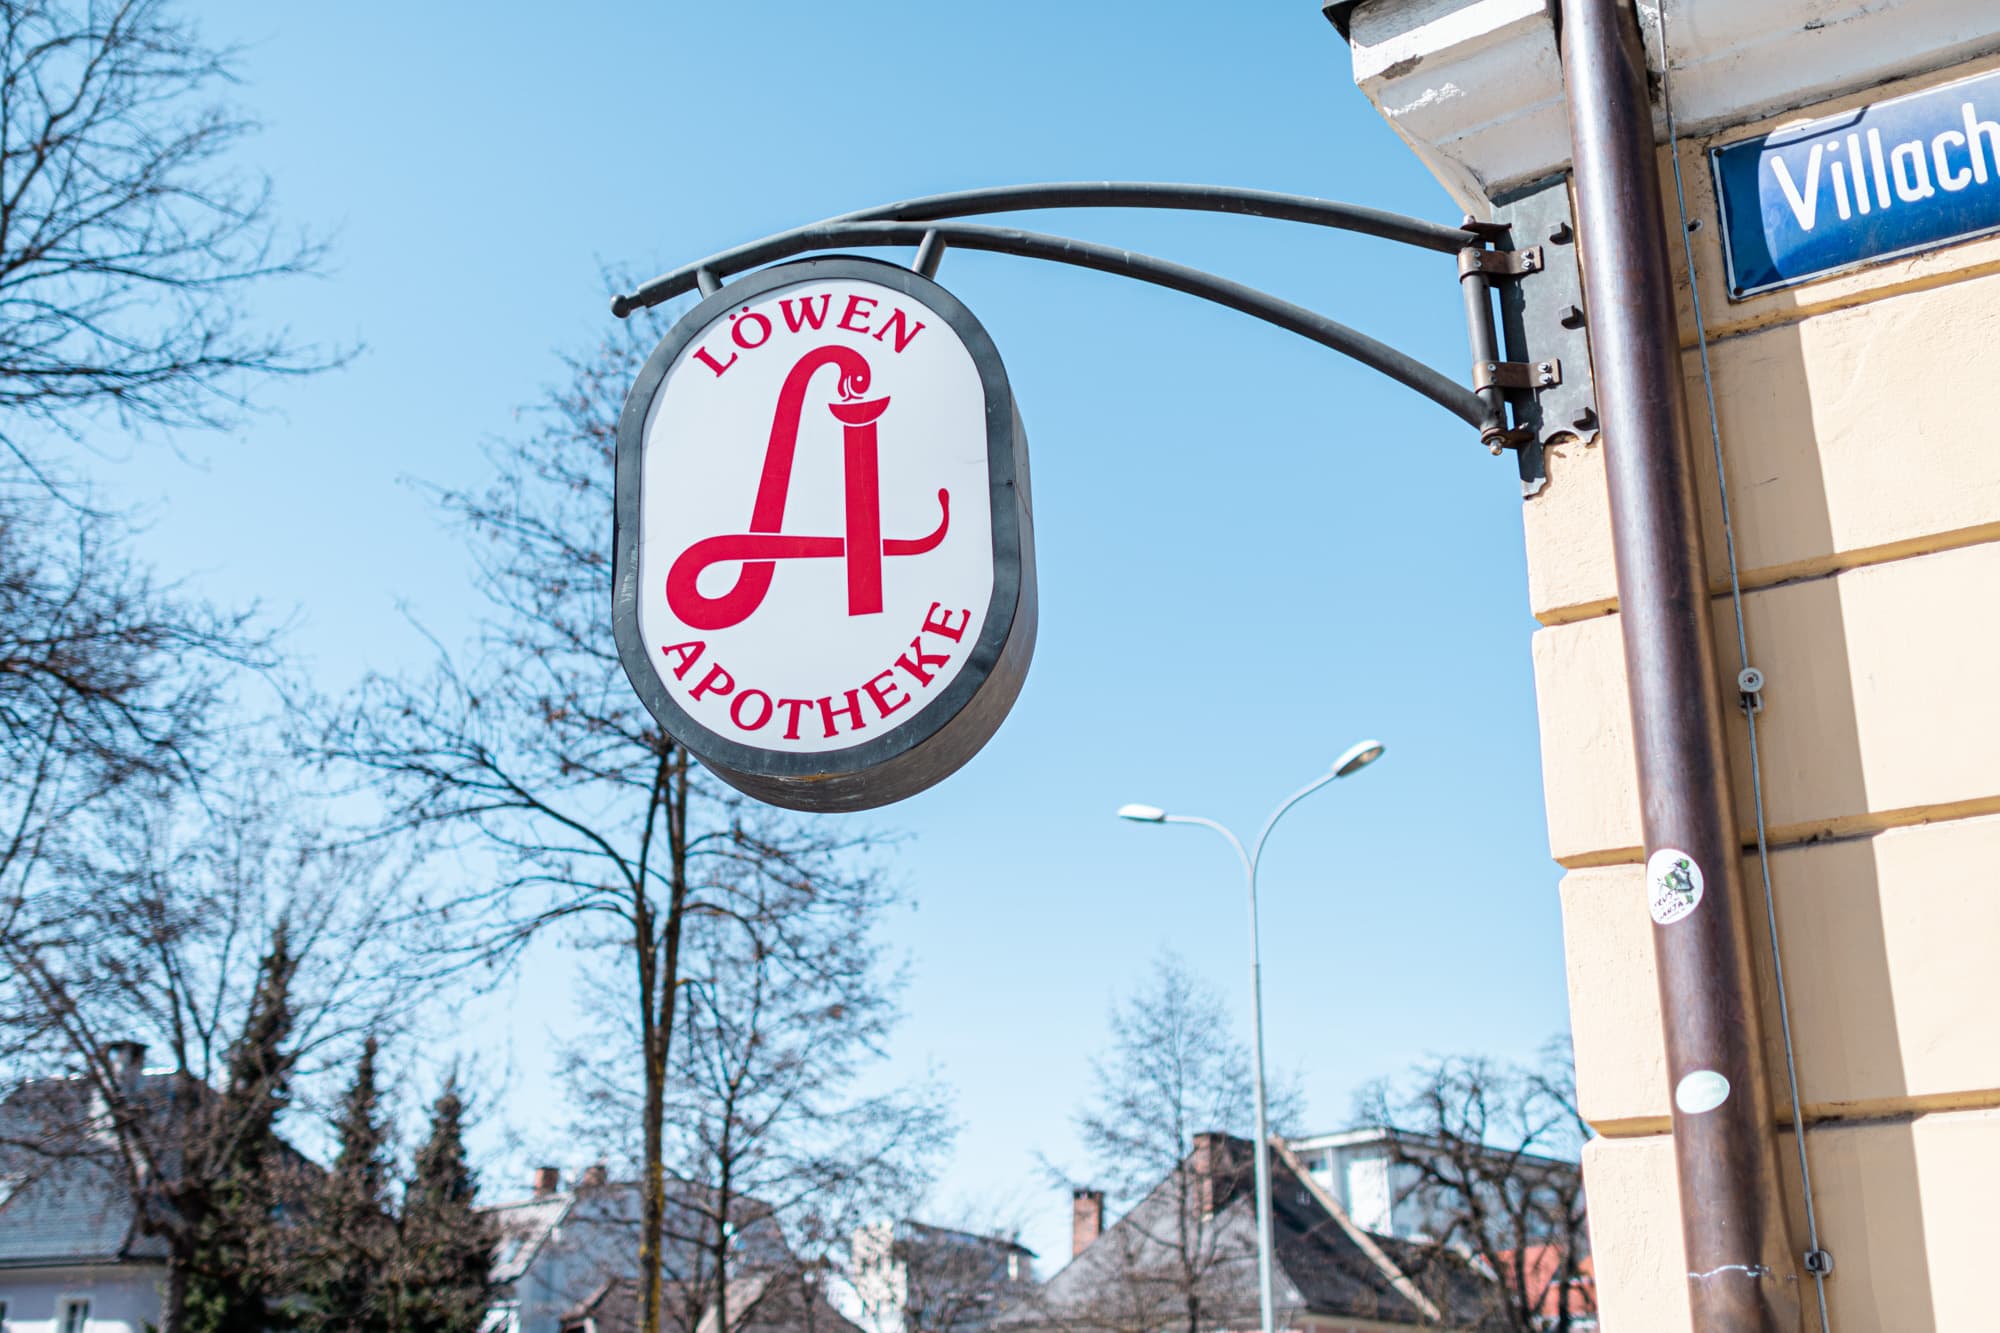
(1750, 681)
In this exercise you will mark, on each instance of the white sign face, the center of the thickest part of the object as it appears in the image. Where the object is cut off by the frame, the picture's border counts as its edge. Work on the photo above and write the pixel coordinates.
(819, 541)
(814, 538)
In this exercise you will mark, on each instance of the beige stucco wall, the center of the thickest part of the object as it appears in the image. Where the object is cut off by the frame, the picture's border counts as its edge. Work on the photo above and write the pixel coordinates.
(1864, 470)
(1905, 1205)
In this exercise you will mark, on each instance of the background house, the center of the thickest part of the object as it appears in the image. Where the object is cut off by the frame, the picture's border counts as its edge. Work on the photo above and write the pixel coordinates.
(790, 1301)
(560, 1250)
(1191, 1242)
(908, 1277)
(1366, 1171)
(1539, 1265)
(73, 1256)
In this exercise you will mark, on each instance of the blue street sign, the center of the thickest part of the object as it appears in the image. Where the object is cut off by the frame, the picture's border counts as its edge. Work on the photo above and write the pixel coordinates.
(1887, 179)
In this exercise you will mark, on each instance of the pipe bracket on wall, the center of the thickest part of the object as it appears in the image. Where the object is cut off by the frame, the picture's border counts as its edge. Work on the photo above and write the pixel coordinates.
(1542, 323)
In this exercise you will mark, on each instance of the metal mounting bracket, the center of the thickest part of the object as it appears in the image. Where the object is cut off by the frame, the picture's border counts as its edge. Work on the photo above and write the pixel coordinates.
(1500, 263)
(1542, 322)
(1516, 374)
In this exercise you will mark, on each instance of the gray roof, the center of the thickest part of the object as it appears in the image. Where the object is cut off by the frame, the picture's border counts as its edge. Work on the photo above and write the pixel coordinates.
(523, 1227)
(760, 1302)
(68, 1212)
(63, 1194)
(526, 1226)
(923, 1232)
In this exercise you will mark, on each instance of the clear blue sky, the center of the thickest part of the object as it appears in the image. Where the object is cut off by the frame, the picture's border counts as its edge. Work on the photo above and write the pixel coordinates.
(1251, 552)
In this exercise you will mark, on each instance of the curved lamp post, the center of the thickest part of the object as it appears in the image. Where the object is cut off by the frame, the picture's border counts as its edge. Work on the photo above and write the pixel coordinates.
(1355, 758)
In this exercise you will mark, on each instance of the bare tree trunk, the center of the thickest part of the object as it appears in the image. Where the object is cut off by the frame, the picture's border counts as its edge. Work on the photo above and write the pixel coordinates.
(653, 1186)
(173, 1305)
(722, 1202)
(659, 992)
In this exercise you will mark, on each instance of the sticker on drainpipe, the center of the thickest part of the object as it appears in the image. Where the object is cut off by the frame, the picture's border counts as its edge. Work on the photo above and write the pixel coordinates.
(1703, 1090)
(1673, 885)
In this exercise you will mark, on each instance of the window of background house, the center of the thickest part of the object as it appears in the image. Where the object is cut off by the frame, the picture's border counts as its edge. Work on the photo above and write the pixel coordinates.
(75, 1314)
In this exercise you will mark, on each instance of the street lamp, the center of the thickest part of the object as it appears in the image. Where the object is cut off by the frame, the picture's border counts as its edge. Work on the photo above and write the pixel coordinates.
(1352, 760)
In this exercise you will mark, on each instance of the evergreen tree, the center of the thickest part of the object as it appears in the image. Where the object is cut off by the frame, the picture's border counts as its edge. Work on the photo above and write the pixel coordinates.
(351, 1239)
(234, 1249)
(442, 1280)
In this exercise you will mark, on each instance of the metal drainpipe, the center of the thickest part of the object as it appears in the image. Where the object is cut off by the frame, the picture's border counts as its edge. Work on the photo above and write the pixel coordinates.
(1742, 1270)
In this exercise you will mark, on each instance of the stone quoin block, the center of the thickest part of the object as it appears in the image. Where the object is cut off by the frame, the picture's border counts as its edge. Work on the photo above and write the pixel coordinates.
(1830, 463)
(1904, 1207)
(1888, 944)
(1880, 707)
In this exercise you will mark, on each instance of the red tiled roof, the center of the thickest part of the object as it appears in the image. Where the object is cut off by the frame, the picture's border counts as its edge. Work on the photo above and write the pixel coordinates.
(1541, 1266)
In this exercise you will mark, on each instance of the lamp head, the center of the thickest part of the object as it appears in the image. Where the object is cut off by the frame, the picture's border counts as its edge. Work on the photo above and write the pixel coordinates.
(1357, 757)
(1142, 814)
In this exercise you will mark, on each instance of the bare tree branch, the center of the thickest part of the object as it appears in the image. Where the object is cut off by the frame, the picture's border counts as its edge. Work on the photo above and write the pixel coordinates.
(128, 235)
(530, 753)
(1489, 1152)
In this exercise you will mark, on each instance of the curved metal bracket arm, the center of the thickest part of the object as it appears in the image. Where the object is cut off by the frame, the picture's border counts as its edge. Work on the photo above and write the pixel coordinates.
(1074, 194)
(1439, 388)
(922, 221)
(1193, 198)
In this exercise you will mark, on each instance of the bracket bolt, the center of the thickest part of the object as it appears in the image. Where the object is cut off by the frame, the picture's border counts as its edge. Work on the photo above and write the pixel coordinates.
(1545, 372)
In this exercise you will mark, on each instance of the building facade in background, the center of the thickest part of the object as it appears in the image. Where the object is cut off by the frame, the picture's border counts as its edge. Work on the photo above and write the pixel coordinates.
(563, 1252)
(1852, 328)
(906, 1277)
(75, 1255)
(1367, 1171)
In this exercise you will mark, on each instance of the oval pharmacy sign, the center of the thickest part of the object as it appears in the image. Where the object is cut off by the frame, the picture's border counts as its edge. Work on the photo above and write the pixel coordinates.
(824, 554)
(1886, 179)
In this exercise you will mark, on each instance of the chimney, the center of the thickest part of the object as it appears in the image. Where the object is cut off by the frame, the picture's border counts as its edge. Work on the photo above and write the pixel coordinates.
(593, 1176)
(125, 1060)
(1215, 1170)
(113, 1105)
(1086, 1219)
(547, 1181)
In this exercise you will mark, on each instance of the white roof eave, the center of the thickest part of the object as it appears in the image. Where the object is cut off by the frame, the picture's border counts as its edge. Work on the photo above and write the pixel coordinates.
(1475, 86)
